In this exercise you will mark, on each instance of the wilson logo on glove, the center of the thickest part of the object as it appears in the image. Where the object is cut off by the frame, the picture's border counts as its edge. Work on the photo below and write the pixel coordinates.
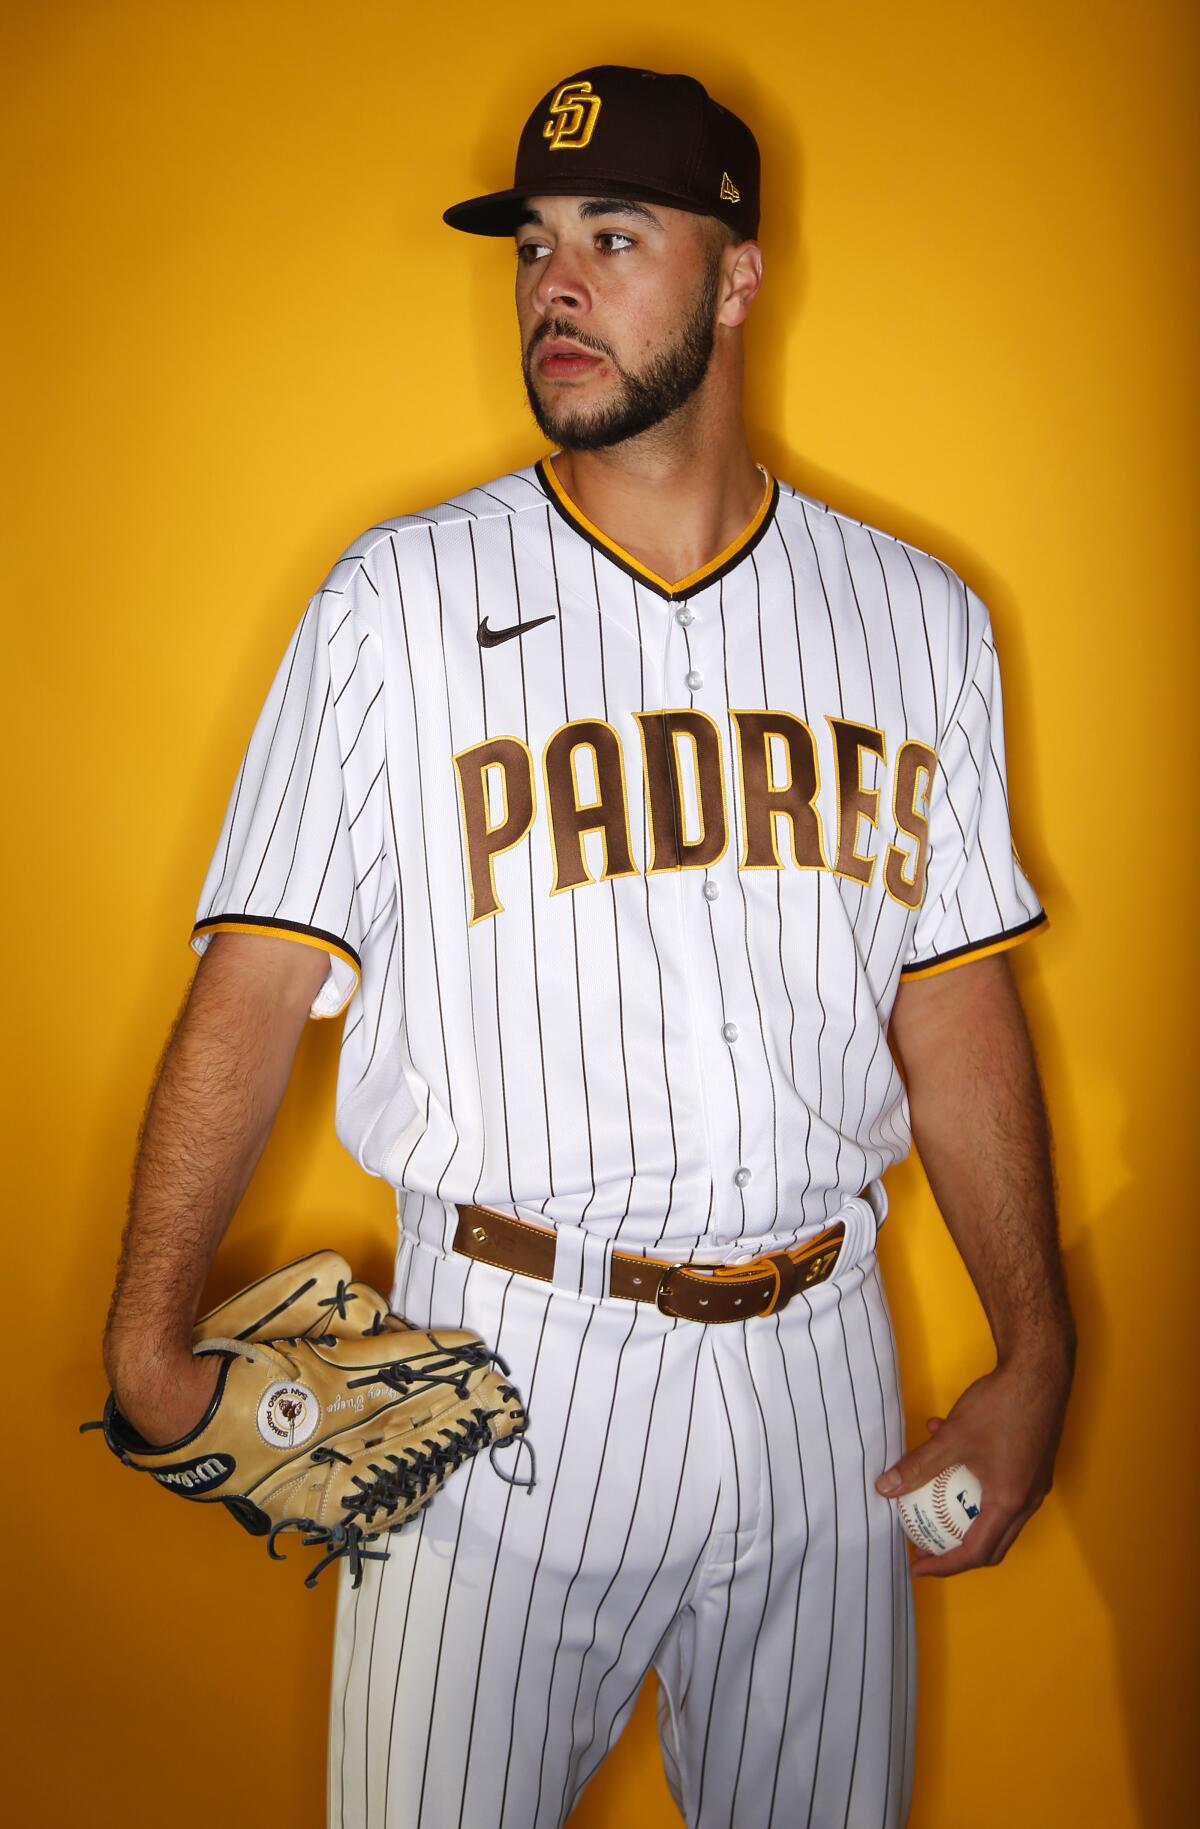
(194, 1478)
(341, 1427)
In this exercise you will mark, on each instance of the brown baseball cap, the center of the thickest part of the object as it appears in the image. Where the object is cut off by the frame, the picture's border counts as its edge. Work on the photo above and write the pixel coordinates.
(616, 132)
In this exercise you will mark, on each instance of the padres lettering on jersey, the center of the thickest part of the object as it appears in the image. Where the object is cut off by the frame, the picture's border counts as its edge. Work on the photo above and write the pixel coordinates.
(503, 767)
(619, 875)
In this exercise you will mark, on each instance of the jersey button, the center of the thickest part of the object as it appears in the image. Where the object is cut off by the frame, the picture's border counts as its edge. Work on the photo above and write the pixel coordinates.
(685, 616)
(742, 1178)
(694, 681)
(730, 1031)
(711, 891)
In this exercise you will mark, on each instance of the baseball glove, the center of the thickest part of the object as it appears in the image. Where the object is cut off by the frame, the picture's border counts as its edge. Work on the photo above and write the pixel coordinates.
(331, 1416)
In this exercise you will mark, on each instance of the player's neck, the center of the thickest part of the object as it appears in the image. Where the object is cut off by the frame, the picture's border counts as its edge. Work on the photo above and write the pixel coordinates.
(672, 505)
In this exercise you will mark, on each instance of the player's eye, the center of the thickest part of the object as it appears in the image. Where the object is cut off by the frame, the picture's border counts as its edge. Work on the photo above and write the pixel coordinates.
(611, 236)
(530, 251)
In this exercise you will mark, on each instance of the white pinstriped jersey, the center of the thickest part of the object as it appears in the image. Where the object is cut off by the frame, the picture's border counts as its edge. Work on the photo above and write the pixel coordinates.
(618, 901)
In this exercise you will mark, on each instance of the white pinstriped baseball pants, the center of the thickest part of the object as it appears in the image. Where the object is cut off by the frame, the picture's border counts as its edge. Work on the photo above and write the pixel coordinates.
(704, 1504)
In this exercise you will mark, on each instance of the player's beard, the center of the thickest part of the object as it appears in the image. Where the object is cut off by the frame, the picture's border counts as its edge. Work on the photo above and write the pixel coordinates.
(645, 398)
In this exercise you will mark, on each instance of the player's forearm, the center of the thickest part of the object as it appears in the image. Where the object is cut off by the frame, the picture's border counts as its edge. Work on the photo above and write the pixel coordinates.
(218, 1089)
(980, 1125)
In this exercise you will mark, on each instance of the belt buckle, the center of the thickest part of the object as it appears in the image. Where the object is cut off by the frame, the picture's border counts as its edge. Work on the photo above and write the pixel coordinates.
(670, 1313)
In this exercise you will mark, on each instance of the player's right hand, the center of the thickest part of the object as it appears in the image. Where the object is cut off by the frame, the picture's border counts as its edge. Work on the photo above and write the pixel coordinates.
(167, 1401)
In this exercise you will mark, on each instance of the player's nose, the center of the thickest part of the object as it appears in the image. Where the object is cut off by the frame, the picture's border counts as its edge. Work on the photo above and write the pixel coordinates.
(560, 285)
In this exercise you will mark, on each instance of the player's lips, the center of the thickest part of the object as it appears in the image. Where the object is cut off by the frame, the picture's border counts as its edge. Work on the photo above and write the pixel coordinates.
(558, 358)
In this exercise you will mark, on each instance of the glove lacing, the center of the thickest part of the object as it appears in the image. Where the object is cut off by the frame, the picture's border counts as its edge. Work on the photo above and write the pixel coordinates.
(409, 1478)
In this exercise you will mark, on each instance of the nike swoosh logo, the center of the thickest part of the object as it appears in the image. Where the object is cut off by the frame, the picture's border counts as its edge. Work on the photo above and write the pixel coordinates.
(489, 638)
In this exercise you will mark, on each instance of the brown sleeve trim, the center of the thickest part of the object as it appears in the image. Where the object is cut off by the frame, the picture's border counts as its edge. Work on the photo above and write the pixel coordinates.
(285, 930)
(976, 949)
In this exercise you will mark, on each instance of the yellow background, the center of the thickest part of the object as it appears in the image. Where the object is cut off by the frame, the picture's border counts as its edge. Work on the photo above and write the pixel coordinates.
(237, 334)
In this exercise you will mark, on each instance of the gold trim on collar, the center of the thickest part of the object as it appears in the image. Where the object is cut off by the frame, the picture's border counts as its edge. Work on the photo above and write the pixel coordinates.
(668, 588)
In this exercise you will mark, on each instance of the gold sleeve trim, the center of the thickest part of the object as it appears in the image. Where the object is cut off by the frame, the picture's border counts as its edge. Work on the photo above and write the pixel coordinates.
(322, 942)
(968, 954)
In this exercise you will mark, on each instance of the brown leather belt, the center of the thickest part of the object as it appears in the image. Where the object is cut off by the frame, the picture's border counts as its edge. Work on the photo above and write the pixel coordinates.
(686, 1292)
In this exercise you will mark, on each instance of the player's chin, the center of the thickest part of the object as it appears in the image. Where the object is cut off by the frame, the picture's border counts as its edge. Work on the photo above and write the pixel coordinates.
(574, 428)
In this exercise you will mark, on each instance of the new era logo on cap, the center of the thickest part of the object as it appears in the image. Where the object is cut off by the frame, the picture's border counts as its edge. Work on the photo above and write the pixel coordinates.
(617, 132)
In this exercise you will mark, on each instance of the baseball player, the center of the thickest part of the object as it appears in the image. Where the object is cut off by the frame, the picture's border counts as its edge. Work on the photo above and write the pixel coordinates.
(639, 814)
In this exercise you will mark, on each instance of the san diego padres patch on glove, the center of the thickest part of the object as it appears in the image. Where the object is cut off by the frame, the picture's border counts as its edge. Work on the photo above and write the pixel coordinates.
(331, 1416)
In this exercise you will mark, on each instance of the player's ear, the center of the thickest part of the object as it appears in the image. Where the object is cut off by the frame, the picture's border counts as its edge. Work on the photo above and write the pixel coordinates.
(741, 268)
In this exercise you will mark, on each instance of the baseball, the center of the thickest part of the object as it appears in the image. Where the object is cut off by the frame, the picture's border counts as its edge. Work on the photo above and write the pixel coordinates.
(938, 1515)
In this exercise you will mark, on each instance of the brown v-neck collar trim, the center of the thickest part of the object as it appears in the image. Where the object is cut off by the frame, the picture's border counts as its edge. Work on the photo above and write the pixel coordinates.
(708, 574)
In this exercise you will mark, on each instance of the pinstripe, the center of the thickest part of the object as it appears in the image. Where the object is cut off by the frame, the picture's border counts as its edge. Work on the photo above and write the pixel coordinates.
(899, 1564)
(791, 1668)
(375, 697)
(613, 903)
(762, 1033)
(937, 717)
(956, 591)
(487, 1612)
(345, 1732)
(387, 1783)
(566, 711)
(366, 1736)
(636, 1611)
(891, 618)
(290, 661)
(752, 1662)
(716, 958)
(861, 623)
(379, 1013)
(303, 804)
(866, 1577)
(833, 645)
(841, 700)
(662, 1005)
(979, 802)
(533, 936)
(816, 977)
(737, 1525)
(470, 1474)
(808, 1116)
(340, 694)
(312, 677)
(461, 862)
(893, 1448)
(834, 1573)
(537, 1568)
(398, 1303)
(580, 1565)
(487, 731)
(620, 1563)
(329, 855)
(362, 806)
(433, 947)
(627, 1699)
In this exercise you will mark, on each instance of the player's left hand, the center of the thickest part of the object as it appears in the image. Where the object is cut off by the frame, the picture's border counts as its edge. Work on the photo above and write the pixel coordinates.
(1005, 1428)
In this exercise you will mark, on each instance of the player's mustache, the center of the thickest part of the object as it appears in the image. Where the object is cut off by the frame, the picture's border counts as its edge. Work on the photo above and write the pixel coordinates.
(562, 327)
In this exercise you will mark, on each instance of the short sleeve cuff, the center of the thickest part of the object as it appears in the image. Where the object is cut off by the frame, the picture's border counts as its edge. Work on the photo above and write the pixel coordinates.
(976, 949)
(345, 968)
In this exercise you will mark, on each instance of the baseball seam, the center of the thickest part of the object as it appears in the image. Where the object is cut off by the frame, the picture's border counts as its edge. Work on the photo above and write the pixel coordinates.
(941, 1510)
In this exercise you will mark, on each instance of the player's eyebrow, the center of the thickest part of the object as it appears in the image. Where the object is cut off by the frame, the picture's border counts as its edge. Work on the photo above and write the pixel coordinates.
(599, 206)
